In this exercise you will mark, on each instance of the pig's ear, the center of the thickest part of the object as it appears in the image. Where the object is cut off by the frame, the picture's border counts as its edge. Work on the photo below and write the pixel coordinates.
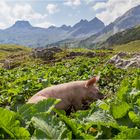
(92, 81)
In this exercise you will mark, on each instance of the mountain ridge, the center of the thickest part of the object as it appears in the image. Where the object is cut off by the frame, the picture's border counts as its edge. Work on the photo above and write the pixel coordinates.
(23, 33)
(84, 33)
(129, 19)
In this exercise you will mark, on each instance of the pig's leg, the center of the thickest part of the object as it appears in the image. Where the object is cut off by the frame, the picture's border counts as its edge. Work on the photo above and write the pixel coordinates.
(63, 105)
(77, 105)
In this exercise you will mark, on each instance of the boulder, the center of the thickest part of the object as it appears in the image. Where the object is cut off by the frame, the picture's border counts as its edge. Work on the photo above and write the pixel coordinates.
(90, 54)
(45, 53)
(73, 54)
(120, 62)
(122, 54)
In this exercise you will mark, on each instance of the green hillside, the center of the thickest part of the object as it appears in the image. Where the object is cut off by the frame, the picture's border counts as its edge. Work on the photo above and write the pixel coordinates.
(13, 55)
(104, 41)
(7, 50)
(124, 37)
(133, 46)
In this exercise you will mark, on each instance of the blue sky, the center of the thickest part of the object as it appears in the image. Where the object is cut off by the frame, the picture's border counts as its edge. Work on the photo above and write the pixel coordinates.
(44, 13)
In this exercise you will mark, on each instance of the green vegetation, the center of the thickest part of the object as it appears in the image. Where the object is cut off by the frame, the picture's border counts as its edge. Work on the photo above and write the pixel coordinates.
(124, 37)
(12, 56)
(133, 46)
(106, 41)
(6, 50)
(116, 117)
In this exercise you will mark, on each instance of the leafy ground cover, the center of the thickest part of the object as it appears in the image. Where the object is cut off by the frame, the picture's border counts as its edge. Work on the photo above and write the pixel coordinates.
(117, 117)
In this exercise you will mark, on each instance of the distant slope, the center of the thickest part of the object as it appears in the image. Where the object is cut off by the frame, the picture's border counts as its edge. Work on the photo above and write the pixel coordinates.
(133, 46)
(123, 37)
(7, 50)
(130, 19)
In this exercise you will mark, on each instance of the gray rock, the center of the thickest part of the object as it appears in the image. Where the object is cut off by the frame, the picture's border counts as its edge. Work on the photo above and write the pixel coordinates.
(45, 53)
(91, 54)
(122, 54)
(123, 63)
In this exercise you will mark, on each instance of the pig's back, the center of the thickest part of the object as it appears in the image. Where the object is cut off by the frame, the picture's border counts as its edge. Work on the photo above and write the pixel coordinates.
(62, 91)
(66, 88)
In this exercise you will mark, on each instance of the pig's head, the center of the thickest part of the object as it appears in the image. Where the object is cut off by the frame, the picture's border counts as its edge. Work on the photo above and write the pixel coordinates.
(93, 92)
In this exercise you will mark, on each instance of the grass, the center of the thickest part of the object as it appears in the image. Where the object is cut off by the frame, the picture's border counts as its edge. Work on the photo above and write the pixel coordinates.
(15, 54)
(131, 47)
(7, 49)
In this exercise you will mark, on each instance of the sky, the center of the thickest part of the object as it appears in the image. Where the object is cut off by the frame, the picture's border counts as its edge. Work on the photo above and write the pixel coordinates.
(45, 13)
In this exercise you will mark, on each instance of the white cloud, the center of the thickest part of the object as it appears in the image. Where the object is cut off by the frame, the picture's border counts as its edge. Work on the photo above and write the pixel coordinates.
(100, 5)
(88, 1)
(26, 12)
(52, 8)
(92, 1)
(2, 25)
(72, 2)
(45, 24)
(11, 13)
(112, 9)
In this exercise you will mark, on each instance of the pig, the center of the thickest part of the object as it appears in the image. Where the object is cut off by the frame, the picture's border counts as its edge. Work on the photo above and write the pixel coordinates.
(72, 94)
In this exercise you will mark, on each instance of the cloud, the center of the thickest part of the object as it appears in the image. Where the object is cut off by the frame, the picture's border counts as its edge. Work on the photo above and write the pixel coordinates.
(93, 1)
(52, 8)
(112, 9)
(45, 24)
(11, 13)
(2, 25)
(99, 6)
(72, 2)
(26, 12)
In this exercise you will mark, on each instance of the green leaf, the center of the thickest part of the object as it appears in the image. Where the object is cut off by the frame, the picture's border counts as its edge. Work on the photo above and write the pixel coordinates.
(138, 101)
(99, 116)
(104, 123)
(49, 127)
(27, 111)
(119, 109)
(134, 118)
(123, 90)
(10, 124)
(74, 126)
(129, 134)
(102, 105)
(134, 95)
(136, 83)
(80, 115)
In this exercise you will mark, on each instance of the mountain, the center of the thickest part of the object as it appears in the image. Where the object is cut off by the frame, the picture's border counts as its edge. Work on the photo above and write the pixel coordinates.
(123, 37)
(65, 27)
(85, 27)
(23, 33)
(130, 19)
(21, 25)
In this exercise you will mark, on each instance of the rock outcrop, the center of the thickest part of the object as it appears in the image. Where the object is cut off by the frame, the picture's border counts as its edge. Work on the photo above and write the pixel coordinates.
(45, 53)
(48, 54)
(125, 63)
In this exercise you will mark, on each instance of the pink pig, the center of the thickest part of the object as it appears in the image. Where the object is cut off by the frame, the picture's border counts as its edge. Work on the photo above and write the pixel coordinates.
(72, 94)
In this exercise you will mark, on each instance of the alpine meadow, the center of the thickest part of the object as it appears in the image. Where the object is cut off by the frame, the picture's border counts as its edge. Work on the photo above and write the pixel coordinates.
(67, 71)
